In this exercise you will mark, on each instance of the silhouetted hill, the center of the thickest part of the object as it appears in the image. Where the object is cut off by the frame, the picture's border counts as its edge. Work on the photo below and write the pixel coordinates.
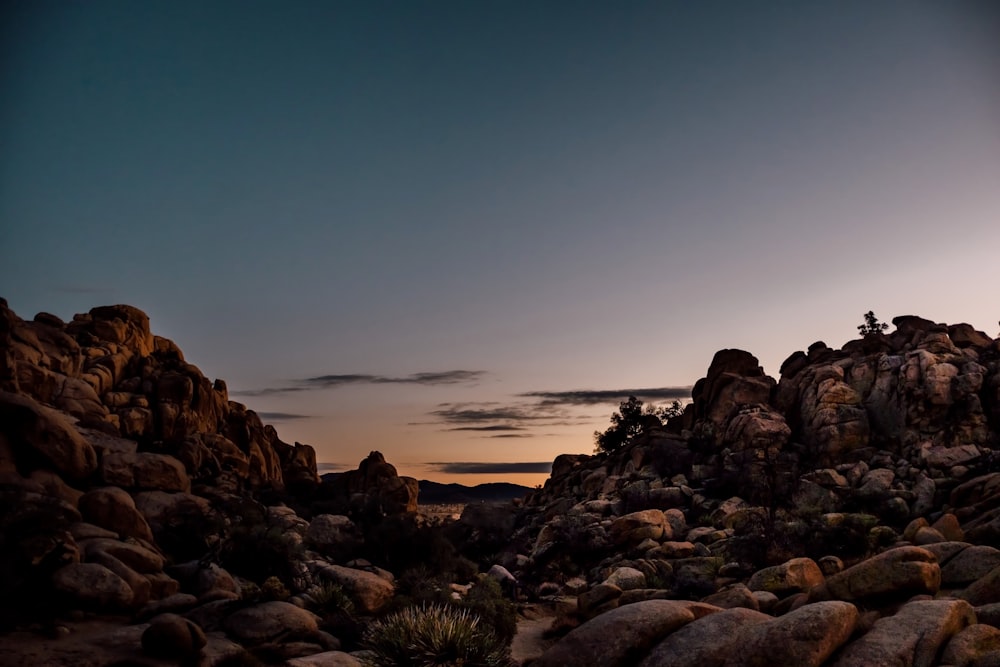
(434, 493)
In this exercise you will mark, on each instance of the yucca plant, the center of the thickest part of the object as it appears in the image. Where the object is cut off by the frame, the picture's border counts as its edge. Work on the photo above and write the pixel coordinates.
(432, 636)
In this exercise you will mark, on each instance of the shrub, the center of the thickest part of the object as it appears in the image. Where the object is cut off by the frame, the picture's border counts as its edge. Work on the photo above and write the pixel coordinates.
(330, 597)
(487, 601)
(399, 543)
(434, 635)
(274, 589)
(255, 550)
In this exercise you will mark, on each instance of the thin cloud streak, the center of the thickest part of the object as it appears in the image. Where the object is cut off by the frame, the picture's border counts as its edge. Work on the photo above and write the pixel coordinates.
(432, 378)
(330, 467)
(602, 396)
(492, 427)
(479, 468)
(467, 413)
(281, 416)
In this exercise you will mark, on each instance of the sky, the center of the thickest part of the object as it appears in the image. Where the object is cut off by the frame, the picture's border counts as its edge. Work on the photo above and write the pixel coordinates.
(460, 233)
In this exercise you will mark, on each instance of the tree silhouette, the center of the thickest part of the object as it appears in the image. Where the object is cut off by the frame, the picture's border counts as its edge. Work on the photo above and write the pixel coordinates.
(872, 326)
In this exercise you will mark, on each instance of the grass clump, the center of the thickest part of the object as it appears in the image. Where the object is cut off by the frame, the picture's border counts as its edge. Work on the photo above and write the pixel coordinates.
(434, 635)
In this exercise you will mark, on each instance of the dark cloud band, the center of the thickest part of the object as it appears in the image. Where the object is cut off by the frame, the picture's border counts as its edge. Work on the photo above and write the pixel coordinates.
(492, 468)
(601, 396)
(281, 416)
(343, 379)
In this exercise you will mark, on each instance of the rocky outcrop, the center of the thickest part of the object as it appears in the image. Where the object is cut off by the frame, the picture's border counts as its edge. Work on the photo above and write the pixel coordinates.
(107, 371)
(865, 476)
(374, 488)
(120, 462)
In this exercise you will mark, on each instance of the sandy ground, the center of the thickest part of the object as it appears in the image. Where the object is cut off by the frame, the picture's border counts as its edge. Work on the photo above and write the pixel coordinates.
(529, 643)
(90, 644)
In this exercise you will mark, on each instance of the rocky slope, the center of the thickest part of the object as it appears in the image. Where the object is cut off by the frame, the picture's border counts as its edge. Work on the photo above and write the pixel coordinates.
(133, 489)
(847, 513)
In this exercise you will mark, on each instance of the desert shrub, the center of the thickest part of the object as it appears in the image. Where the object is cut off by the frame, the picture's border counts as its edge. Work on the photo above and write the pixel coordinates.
(420, 587)
(255, 550)
(399, 544)
(487, 600)
(330, 597)
(273, 589)
(249, 591)
(434, 635)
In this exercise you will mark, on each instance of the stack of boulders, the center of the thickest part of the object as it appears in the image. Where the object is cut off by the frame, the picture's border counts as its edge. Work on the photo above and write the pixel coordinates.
(123, 470)
(869, 474)
(373, 488)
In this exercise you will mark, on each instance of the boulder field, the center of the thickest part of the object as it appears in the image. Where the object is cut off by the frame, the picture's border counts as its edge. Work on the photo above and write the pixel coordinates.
(846, 513)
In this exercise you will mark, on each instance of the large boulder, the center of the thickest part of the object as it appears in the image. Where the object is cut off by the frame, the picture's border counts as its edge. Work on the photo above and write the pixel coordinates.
(112, 508)
(915, 635)
(170, 636)
(270, 620)
(795, 575)
(41, 436)
(93, 586)
(898, 573)
(369, 591)
(624, 635)
(145, 470)
(638, 526)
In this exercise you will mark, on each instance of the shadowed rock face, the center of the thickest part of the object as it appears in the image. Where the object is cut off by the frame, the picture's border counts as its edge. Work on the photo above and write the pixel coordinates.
(375, 487)
(107, 370)
(126, 477)
(879, 461)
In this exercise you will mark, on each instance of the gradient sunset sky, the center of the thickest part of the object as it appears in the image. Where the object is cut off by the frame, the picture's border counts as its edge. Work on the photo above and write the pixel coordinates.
(461, 232)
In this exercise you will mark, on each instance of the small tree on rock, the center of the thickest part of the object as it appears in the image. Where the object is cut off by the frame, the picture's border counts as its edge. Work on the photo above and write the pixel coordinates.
(872, 326)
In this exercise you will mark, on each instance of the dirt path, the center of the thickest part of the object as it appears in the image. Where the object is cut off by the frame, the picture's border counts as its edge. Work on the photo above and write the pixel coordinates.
(529, 643)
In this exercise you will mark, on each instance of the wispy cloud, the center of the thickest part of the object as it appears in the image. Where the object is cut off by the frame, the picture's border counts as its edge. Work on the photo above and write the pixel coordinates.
(492, 468)
(281, 416)
(603, 396)
(333, 380)
(491, 416)
(491, 427)
(428, 378)
(330, 467)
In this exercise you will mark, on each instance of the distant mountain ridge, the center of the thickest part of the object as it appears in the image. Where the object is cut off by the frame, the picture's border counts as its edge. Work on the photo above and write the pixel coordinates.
(435, 493)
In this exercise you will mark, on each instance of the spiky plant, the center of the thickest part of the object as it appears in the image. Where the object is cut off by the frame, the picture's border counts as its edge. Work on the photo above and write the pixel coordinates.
(432, 636)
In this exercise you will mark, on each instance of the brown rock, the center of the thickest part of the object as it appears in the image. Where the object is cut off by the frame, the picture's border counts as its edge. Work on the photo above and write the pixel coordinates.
(638, 526)
(705, 642)
(624, 635)
(732, 597)
(913, 636)
(804, 637)
(797, 574)
(369, 591)
(112, 508)
(171, 636)
(141, 588)
(135, 556)
(948, 526)
(899, 572)
(270, 620)
(970, 565)
(971, 644)
(326, 659)
(985, 590)
(599, 599)
(30, 426)
(93, 586)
